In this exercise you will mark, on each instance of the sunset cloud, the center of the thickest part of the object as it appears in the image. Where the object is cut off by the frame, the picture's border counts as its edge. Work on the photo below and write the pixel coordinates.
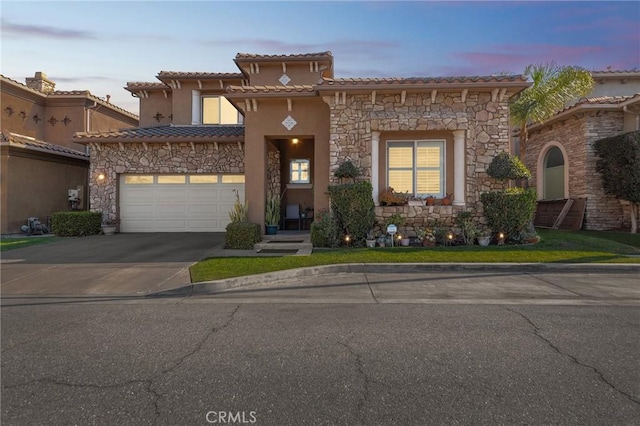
(40, 31)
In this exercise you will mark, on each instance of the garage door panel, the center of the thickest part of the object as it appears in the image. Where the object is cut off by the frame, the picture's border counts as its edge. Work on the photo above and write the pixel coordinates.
(197, 207)
(170, 194)
(170, 210)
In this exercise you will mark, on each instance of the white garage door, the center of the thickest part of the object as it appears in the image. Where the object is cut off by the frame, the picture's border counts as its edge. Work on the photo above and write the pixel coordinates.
(177, 203)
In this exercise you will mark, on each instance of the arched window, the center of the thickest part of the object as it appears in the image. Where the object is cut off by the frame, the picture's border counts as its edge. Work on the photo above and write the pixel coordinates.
(553, 174)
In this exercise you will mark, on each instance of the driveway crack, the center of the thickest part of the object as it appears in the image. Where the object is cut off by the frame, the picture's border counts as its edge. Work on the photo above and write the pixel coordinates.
(364, 400)
(600, 375)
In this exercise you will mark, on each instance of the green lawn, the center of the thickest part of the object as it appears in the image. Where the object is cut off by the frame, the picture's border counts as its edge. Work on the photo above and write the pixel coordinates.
(19, 242)
(555, 246)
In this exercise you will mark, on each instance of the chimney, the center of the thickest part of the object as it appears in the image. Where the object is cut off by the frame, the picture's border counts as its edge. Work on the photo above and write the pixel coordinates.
(41, 83)
(108, 98)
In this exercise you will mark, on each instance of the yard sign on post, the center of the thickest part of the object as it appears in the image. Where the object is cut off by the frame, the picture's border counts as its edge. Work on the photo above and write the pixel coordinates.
(391, 230)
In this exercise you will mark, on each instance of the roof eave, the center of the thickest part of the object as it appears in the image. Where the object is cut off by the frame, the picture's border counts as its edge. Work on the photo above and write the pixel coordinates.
(573, 110)
(332, 87)
(87, 140)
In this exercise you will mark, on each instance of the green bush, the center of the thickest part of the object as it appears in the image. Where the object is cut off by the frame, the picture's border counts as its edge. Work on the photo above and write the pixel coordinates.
(76, 224)
(354, 209)
(504, 166)
(325, 231)
(619, 164)
(242, 235)
(347, 170)
(510, 211)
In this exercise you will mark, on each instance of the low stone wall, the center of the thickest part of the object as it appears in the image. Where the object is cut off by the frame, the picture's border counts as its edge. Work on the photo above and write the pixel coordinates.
(417, 216)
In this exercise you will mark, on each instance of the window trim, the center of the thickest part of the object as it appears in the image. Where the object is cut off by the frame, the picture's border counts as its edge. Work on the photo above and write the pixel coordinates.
(299, 161)
(414, 143)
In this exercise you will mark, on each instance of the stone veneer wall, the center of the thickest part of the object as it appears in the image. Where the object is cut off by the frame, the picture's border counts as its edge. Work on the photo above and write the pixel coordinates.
(485, 122)
(417, 217)
(273, 173)
(134, 158)
(577, 135)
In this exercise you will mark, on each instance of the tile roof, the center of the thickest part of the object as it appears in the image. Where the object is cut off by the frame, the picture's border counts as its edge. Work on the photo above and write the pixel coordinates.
(145, 85)
(22, 85)
(604, 72)
(21, 141)
(420, 80)
(167, 133)
(596, 102)
(302, 88)
(600, 100)
(196, 75)
(63, 93)
(325, 54)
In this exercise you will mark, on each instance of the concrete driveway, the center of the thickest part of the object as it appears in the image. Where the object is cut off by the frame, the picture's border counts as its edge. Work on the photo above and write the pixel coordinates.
(120, 264)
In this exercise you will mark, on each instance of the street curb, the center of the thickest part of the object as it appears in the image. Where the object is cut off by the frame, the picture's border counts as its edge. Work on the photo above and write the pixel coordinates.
(211, 287)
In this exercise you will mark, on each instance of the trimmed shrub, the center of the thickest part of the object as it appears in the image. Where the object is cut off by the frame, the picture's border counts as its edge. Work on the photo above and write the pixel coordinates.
(347, 170)
(354, 209)
(510, 211)
(619, 164)
(76, 224)
(505, 166)
(325, 231)
(242, 235)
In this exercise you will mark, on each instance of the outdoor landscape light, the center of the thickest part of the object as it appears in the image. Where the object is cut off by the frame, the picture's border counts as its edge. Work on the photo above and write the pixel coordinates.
(347, 240)
(501, 238)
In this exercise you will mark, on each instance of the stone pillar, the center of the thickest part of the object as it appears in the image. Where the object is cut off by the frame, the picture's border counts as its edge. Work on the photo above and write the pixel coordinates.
(196, 113)
(375, 143)
(458, 168)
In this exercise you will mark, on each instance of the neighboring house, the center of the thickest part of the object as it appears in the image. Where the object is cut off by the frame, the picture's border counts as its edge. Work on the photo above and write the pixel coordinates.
(281, 127)
(40, 161)
(561, 156)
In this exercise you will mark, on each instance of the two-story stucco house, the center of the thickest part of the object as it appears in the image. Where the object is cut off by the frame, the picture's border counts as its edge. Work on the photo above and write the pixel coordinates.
(40, 161)
(562, 158)
(282, 125)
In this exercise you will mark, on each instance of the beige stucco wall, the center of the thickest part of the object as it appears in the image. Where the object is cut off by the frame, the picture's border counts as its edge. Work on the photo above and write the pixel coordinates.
(265, 125)
(35, 184)
(299, 73)
(25, 106)
(156, 103)
(576, 136)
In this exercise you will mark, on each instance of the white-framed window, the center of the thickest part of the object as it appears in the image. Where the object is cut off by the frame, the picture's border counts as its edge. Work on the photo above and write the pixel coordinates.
(416, 167)
(218, 110)
(299, 171)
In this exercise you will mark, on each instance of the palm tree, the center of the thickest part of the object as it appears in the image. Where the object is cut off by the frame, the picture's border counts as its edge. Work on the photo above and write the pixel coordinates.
(553, 86)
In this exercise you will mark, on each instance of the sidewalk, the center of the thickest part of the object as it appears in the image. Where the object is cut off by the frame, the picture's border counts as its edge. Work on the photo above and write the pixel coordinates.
(574, 284)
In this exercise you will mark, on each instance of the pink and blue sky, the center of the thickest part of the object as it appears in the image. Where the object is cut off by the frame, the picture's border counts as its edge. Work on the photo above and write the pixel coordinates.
(100, 45)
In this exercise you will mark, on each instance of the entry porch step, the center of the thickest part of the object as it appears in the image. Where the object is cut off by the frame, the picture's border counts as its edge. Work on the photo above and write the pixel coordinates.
(285, 244)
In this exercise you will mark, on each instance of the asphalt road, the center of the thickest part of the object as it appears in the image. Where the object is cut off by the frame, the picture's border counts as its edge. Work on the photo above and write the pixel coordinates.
(177, 361)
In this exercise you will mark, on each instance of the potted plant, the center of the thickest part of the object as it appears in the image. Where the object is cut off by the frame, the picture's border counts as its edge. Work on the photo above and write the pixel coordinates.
(426, 237)
(272, 215)
(484, 235)
(371, 239)
(109, 226)
(446, 201)
(430, 200)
